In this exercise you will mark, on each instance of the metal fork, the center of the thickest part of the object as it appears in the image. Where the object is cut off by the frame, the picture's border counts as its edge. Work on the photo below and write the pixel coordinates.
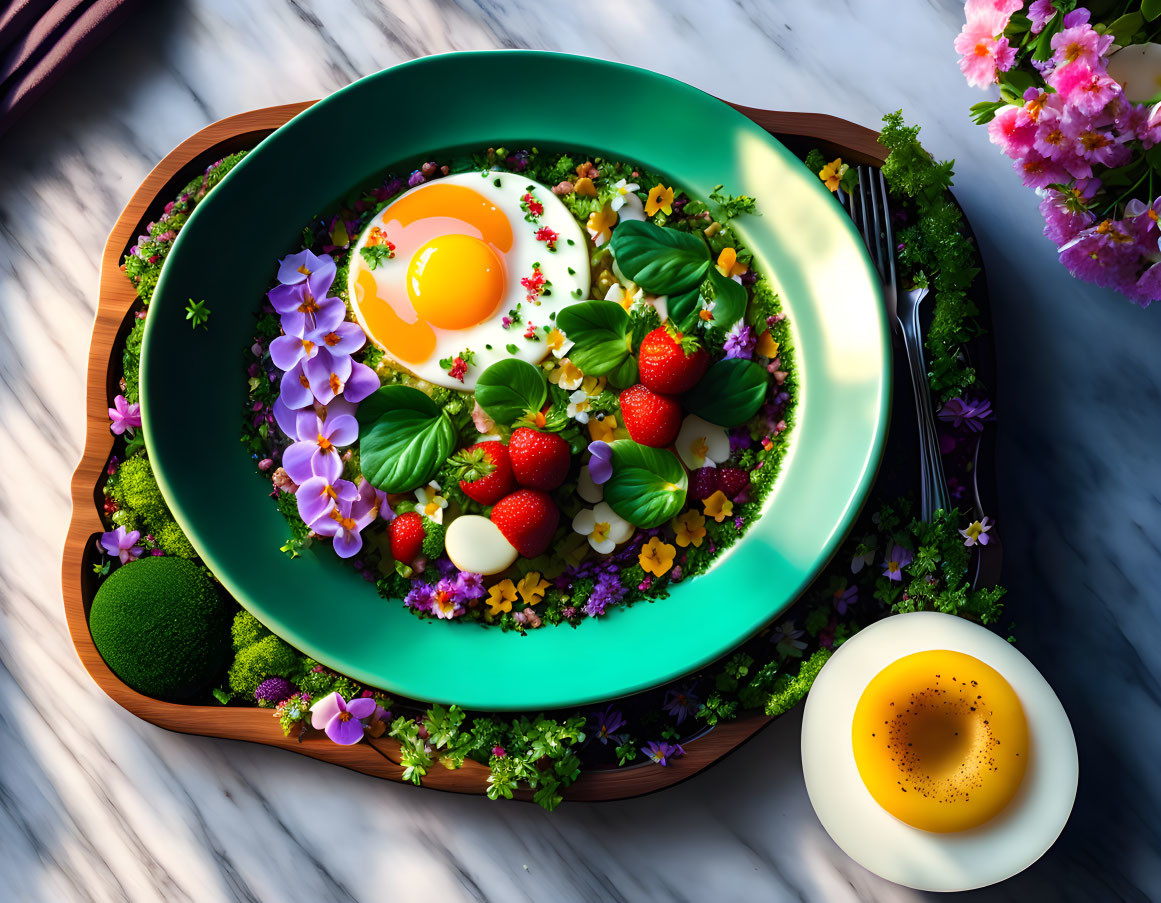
(871, 212)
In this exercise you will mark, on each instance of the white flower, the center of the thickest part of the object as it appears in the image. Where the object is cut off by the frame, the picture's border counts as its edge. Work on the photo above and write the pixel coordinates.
(586, 488)
(431, 503)
(567, 375)
(622, 191)
(578, 406)
(632, 209)
(603, 527)
(626, 296)
(701, 443)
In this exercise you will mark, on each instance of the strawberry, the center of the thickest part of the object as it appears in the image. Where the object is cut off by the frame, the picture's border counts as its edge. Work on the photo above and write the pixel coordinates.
(484, 472)
(651, 419)
(539, 460)
(406, 535)
(670, 362)
(703, 482)
(732, 480)
(528, 520)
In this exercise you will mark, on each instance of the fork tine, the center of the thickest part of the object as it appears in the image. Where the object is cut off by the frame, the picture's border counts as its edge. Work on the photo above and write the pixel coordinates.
(887, 222)
(880, 262)
(870, 239)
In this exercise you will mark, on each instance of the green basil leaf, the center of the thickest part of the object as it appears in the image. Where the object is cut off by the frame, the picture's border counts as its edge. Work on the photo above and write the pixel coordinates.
(391, 398)
(648, 485)
(729, 299)
(683, 309)
(593, 320)
(624, 375)
(509, 388)
(661, 261)
(600, 357)
(730, 393)
(408, 441)
(600, 333)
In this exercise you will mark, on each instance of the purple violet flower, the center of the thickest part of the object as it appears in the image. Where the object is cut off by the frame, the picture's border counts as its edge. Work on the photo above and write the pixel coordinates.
(601, 464)
(681, 703)
(606, 591)
(316, 452)
(420, 596)
(121, 544)
(316, 496)
(740, 341)
(416, 178)
(344, 523)
(961, 412)
(341, 719)
(897, 559)
(607, 723)
(124, 416)
(660, 752)
(470, 586)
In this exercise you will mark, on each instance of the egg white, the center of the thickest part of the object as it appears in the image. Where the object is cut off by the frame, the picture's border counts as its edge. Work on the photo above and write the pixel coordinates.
(892, 849)
(567, 288)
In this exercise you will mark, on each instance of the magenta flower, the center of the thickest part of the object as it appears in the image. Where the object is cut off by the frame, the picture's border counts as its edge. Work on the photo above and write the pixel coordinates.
(740, 341)
(1081, 86)
(981, 54)
(1040, 172)
(1012, 131)
(124, 416)
(341, 719)
(298, 268)
(660, 752)
(316, 452)
(317, 496)
(1080, 44)
(601, 463)
(1039, 13)
(992, 14)
(897, 559)
(121, 544)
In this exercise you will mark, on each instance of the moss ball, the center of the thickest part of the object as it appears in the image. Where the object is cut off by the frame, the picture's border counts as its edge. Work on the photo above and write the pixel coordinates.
(173, 541)
(269, 657)
(163, 627)
(247, 630)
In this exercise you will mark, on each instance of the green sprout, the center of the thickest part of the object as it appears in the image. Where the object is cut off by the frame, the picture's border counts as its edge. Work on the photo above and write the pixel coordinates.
(197, 313)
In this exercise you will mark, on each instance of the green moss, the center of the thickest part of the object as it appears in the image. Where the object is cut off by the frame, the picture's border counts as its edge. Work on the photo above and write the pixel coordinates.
(323, 682)
(789, 691)
(247, 630)
(269, 657)
(163, 627)
(173, 541)
(432, 538)
(136, 489)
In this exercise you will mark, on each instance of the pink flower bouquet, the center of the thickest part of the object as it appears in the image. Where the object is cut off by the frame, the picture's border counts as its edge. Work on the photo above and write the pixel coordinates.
(1080, 117)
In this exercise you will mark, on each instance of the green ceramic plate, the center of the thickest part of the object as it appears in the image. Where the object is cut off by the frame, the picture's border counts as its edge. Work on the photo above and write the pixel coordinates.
(193, 387)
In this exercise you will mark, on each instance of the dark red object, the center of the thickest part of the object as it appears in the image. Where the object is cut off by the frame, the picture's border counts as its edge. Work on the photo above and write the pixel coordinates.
(487, 471)
(406, 534)
(666, 367)
(528, 520)
(651, 419)
(539, 460)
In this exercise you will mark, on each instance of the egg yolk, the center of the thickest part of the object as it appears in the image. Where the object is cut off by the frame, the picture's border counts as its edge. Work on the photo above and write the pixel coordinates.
(940, 740)
(455, 281)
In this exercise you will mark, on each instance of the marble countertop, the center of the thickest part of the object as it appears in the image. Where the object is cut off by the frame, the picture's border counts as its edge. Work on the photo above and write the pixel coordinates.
(96, 805)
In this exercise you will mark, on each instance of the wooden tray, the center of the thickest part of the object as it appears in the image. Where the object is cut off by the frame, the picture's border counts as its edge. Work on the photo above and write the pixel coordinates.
(380, 758)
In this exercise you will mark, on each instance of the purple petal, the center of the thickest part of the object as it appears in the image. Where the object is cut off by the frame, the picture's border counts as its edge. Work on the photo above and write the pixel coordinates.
(362, 383)
(307, 425)
(347, 491)
(601, 463)
(342, 430)
(288, 350)
(325, 464)
(313, 500)
(343, 338)
(285, 417)
(331, 313)
(296, 461)
(345, 733)
(361, 707)
(324, 710)
(348, 543)
(291, 392)
(339, 406)
(289, 272)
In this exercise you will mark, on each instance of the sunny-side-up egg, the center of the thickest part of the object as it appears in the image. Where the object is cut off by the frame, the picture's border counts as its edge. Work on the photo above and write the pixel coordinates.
(468, 249)
(936, 755)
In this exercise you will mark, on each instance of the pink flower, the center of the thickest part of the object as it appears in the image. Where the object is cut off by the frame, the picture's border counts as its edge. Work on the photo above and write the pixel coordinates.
(1012, 131)
(124, 416)
(1040, 12)
(1149, 131)
(1088, 90)
(1066, 213)
(1095, 145)
(1080, 44)
(1040, 172)
(121, 544)
(981, 55)
(992, 13)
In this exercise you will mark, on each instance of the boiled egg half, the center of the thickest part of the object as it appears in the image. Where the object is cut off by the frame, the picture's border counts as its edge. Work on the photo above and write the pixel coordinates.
(936, 755)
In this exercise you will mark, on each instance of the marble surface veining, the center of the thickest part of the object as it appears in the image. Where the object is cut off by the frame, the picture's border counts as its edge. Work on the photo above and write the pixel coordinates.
(96, 805)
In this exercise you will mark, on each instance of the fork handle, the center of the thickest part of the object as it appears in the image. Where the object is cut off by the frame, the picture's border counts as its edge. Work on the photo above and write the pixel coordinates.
(932, 483)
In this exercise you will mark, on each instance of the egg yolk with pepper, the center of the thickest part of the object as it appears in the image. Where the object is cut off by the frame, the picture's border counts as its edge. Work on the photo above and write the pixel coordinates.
(940, 740)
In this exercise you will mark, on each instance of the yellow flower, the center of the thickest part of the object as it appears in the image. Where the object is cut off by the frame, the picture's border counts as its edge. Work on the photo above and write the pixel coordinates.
(500, 597)
(660, 198)
(833, 172)
(603, 429)
(568, 375)
(690, 528)
(766, 346)
(594, 385)
(600, 224)
(554, 340)
(728, 263)
(585, 187)
(531, 588)
(657, 557)
(431, 503)
(718, 506)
